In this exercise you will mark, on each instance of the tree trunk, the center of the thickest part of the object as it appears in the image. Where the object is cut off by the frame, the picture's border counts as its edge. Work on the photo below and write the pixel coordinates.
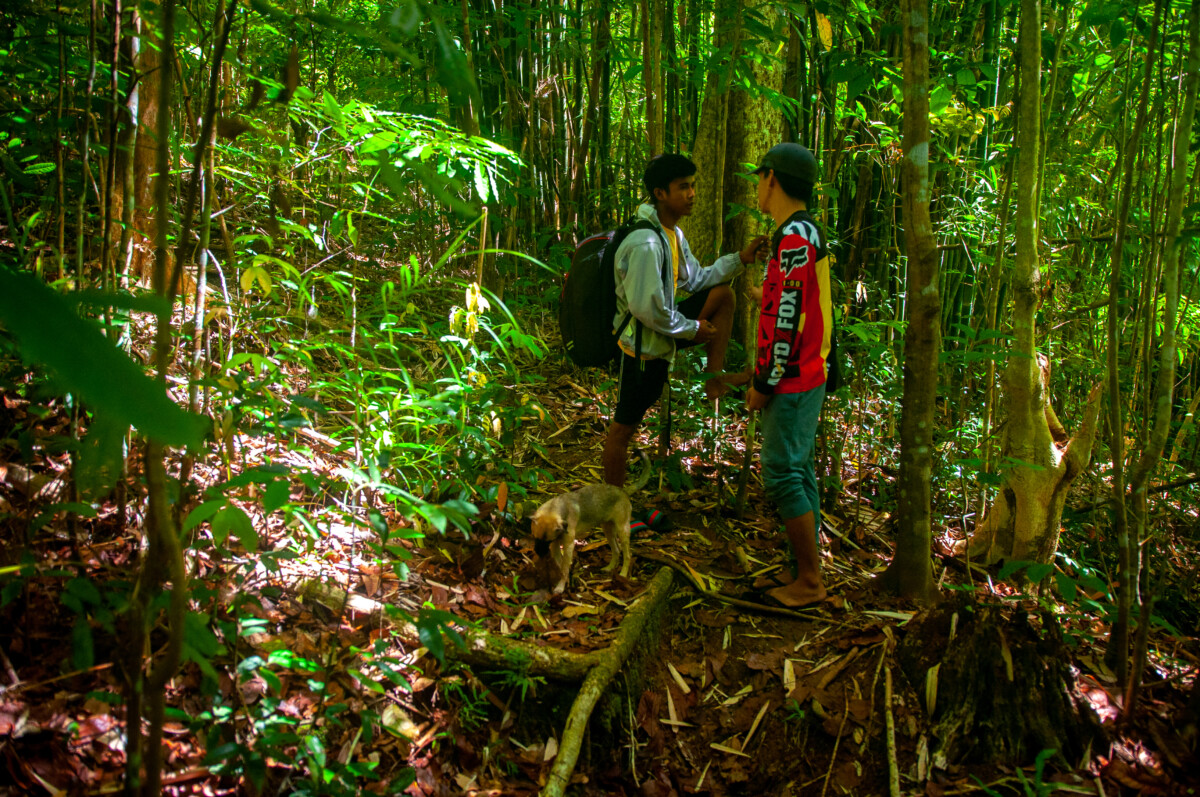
(149, 70)
(1151, 454)
(1117, 655)
(755, 124)
(998, 689)
(704, 228)
(910, 572)
(1024, 520)
(652, 78)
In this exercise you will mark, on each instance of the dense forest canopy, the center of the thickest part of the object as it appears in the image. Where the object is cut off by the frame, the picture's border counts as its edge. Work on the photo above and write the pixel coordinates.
(274, 272)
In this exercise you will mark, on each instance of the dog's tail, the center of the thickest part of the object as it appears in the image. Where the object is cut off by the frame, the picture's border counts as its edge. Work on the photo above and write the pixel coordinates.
(644, 477)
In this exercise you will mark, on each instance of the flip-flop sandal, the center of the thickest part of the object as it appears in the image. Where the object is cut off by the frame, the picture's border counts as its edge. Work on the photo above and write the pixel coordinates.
(768, 599)
(771, 580)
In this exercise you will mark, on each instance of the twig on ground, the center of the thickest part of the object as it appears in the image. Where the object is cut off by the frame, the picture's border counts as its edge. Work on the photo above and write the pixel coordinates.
(837, 742)
(893, 767)
(798, 614)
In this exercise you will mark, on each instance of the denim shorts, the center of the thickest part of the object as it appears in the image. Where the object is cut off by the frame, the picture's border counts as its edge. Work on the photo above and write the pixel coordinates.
(789, 430)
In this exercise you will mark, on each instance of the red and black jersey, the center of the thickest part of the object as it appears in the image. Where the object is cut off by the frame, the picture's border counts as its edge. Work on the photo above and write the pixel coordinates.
(797, 315)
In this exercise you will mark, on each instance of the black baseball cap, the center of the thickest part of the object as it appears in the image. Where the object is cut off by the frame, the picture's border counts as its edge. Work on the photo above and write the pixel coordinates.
(794, 160)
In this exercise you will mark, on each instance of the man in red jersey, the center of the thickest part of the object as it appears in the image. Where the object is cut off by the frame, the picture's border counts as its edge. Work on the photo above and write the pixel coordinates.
(789, 373)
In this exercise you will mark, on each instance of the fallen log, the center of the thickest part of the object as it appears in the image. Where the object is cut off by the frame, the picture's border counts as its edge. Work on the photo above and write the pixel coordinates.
(482, 650)
(610, 661)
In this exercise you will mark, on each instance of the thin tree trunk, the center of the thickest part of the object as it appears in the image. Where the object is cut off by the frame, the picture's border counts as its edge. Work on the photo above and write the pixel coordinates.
(910, 572)
(1140, 474)
(652, 25)
(1117, 654)
(1024, 521)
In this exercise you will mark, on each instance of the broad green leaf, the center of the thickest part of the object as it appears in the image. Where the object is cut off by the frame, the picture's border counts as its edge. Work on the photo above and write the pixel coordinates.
(202, 513)
(256, 274)
(86, 363)
(199, 636)
(377, 142)
(1066, 586)
(1079, 82)
(1117, 33)
(939, 99)
(965, 77)
(331, 107)
(1037, 572)
(233, 519)
(101, 455)
(277, 494)
(1012, 567)
(83, 653)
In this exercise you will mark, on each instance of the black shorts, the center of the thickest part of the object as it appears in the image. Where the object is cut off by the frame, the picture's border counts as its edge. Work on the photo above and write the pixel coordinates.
(641, 382)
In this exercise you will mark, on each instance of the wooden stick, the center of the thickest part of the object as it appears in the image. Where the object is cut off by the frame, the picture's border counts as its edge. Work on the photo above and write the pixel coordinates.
(797, 614)
(744, 476)
(893, 767)
(838, 740)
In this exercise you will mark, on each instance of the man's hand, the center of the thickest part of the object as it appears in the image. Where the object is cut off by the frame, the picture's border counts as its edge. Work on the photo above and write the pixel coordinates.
(756, 249)
(756, 400)
(706, 332)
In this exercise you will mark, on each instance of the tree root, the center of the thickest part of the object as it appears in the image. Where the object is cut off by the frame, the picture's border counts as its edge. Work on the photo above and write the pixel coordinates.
(483, 651)
(488, 651)
(609, 662)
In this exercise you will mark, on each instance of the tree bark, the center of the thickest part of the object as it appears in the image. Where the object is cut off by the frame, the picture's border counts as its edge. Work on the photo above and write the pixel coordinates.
(704, 228)
(1025, 518)
(150, 73)
(1164, 390)
(652, 77)
(755, 125)
(1117, 655)
(736, 127)
(910, 572)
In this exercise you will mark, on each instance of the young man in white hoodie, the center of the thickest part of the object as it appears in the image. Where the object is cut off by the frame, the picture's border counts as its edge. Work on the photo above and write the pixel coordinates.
(658, 326)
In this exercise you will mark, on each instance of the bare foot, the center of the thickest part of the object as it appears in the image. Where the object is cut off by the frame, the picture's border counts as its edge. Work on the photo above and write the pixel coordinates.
(797, 595)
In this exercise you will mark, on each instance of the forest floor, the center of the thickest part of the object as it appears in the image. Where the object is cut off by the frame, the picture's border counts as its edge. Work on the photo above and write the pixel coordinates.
(727, 700)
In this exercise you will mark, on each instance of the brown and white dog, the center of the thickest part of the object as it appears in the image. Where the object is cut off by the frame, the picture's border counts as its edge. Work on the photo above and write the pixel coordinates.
(562, 520)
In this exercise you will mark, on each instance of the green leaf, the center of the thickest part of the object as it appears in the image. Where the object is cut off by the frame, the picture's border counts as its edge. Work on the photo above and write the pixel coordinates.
(278, 493)
(1037, 572)
(1079, 82)
(39, 168)
(199, 636)
(1117, 32)
(83, 654)
(331, 107)
(1012, 567)
(233, 519)
(87, 364)
(939, 99)
(965, 77)
(1066, 586)
(377, 142)
(256, 274)
(202, 513)
(101, 455)
(431, 625)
